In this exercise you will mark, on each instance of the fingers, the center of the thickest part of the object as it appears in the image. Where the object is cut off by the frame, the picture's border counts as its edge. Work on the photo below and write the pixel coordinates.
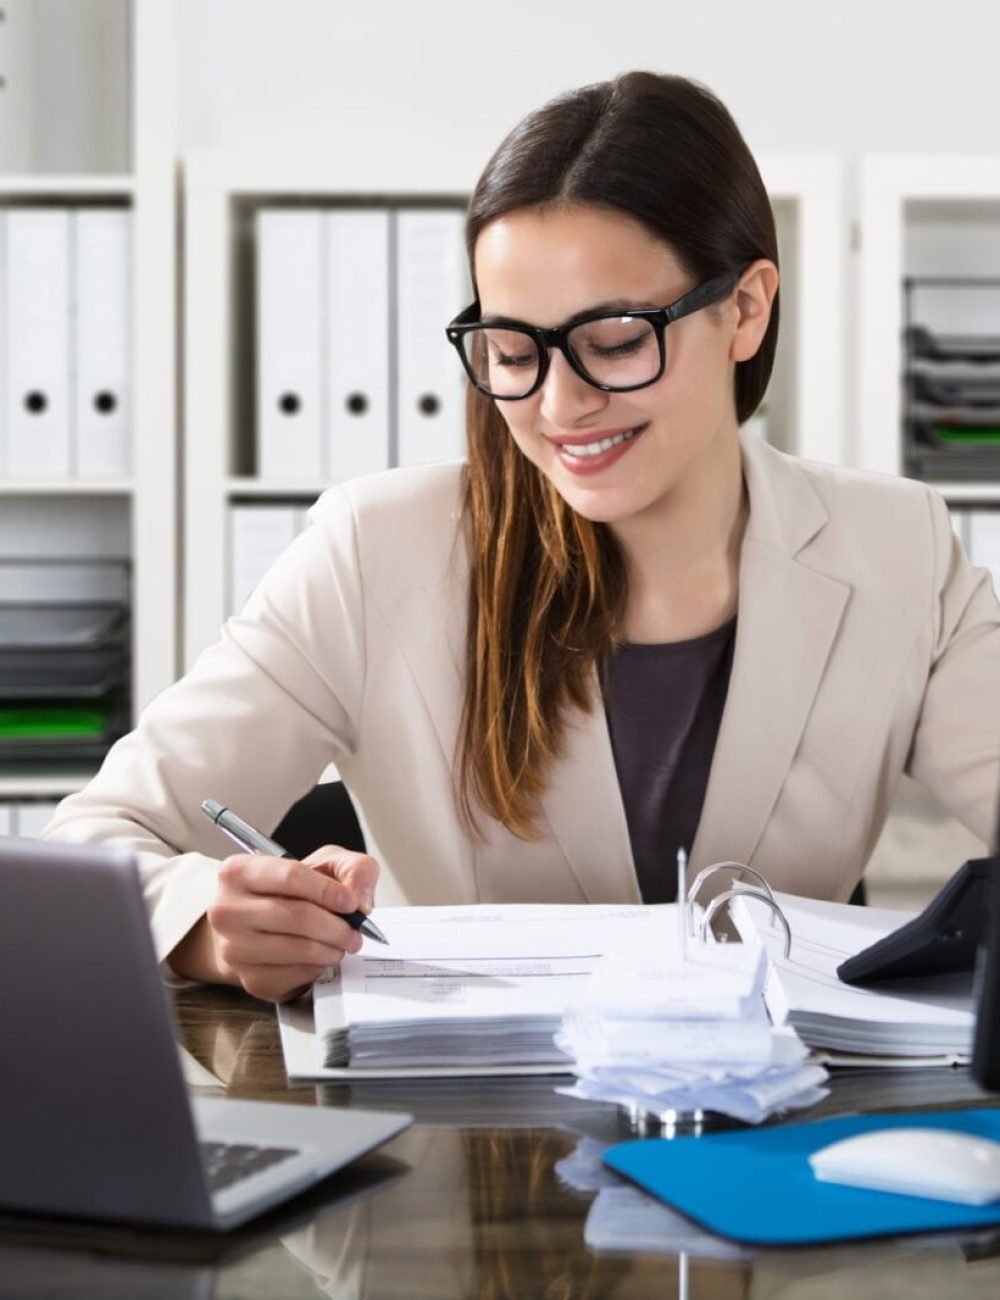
(331, 878)
(276, 923)
(356, 871)
(233, 909)
(254, 929)
(239, 947)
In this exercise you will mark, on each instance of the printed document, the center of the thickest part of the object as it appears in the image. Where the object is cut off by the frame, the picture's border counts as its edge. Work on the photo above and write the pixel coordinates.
(475, 985)
(931, 1018)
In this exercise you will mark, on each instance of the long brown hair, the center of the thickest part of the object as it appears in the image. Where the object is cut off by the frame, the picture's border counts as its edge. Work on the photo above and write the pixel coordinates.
(547, 587)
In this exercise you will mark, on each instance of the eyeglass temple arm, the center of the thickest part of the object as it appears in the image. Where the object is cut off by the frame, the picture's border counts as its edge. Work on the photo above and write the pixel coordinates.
(704, 295)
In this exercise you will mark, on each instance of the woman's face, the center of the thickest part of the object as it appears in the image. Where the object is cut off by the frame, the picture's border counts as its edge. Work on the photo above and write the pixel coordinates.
(544, 266)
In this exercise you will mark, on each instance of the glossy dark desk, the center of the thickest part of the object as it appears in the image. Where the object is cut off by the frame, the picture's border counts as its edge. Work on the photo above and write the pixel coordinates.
(468, 1203)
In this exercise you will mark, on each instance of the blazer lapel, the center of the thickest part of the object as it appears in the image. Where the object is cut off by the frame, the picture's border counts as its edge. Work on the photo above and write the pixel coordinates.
(584, 808)
(788, 618)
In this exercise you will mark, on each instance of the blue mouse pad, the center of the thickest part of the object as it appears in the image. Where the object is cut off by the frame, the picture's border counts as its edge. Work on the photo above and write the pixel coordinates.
(756, 1186)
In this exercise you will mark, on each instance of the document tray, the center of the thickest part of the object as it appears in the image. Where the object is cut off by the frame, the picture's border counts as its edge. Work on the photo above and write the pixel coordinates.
(942, 940)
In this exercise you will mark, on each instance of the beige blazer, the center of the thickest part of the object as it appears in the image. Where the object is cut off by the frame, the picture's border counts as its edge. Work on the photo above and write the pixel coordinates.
(866, 645)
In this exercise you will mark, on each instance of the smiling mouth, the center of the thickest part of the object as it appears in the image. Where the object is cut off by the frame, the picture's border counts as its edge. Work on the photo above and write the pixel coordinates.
(584, 449)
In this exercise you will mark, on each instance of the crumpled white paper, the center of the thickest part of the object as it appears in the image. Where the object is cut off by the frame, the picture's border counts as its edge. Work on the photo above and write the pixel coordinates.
(685, 1031)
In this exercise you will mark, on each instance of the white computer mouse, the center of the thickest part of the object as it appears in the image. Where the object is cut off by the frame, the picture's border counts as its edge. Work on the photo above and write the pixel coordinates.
(934, 1162)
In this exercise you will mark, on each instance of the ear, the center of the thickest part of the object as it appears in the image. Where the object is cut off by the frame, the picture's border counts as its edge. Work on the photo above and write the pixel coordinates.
(755, 293)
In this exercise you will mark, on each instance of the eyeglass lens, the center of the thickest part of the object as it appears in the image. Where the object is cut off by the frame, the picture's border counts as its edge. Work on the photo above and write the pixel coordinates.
(619, 351)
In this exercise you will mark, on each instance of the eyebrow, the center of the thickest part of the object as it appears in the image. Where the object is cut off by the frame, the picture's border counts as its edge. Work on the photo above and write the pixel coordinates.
(623, 305)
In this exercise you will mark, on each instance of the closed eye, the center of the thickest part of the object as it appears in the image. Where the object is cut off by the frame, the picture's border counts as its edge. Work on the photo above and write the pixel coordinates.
(510, 359)
(624, 349)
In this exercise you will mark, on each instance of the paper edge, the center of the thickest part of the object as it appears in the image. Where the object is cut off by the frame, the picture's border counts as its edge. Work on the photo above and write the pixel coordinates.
(300, 1048)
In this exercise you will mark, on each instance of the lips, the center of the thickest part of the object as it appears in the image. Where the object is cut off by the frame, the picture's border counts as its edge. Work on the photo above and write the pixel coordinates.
(590, 455)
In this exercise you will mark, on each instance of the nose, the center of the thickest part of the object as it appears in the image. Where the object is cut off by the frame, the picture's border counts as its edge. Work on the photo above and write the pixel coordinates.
(565, 396)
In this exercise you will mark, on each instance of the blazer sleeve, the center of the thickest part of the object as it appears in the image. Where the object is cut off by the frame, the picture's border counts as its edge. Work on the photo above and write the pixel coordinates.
(956, 745)
(253, 724)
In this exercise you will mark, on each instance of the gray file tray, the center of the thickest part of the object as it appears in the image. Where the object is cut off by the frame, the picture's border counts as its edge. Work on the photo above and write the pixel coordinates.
(65, 662)
(925, 343)
(62, 651)
(951, 377)
(974, 414)
(952, 464)
(62, 676)
(930, 456)
(50, 752)
(25, 626)
(946, 391)
(62, 747)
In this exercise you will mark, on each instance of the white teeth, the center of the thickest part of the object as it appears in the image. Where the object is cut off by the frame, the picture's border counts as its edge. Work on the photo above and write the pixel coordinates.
(595, 448)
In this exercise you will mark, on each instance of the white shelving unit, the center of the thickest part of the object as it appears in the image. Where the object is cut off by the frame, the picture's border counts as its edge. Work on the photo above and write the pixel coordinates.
(805, 405)
(908, 204)
(222, 190)
(806, 398)
(936, 215)
(105, 136)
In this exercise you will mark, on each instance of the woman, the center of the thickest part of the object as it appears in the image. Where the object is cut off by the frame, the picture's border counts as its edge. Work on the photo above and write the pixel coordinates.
(620, 630)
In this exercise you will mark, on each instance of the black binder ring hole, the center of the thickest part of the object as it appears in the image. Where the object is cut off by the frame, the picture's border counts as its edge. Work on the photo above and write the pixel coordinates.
(429, 404)
(357, 403)
(289, 404)
(105, 403)
(36, 403)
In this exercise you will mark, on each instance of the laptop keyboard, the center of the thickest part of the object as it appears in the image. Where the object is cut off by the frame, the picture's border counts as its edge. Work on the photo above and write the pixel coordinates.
(227, 1163)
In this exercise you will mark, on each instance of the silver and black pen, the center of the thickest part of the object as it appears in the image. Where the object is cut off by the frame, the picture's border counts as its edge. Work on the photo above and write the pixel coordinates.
(243, 834)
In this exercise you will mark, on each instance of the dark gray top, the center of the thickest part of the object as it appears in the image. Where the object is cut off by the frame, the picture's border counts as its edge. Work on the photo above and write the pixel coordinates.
(664, 704)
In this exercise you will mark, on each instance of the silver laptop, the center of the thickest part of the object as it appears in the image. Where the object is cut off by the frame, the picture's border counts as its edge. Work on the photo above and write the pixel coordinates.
(95, 1117)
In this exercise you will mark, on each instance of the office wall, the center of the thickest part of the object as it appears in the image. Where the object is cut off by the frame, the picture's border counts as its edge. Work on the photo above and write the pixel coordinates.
(453, 75)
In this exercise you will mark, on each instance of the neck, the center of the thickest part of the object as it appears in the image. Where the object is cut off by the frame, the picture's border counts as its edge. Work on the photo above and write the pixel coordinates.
(682, 555)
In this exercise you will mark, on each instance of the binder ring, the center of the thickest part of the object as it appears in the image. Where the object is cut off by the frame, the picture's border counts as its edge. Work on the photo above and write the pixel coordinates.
(730, 894)
(740, 867)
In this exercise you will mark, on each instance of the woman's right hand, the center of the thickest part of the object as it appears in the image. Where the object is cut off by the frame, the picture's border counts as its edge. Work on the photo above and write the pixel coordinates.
(273, 926)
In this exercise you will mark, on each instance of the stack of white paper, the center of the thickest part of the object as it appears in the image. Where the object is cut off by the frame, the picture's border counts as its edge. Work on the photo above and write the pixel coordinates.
(669, 1030)
(469, 986)
(926, 1018)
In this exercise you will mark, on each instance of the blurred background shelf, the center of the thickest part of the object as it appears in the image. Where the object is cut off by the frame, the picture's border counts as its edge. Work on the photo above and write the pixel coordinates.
(89, 124)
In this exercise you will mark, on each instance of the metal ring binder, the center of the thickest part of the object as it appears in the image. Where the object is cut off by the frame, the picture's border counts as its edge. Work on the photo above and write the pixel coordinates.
(742, 892)
(705, 872)
(642, 1120)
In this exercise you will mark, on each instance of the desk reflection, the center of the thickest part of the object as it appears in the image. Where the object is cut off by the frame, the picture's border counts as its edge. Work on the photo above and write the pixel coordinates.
(911, 1268)
(486, 1197)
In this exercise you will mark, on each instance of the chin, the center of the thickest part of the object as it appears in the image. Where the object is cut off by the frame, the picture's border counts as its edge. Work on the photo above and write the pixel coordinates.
(602, 507)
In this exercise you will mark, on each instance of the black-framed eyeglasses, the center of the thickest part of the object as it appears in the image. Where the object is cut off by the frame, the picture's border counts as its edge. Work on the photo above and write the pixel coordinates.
(616, 352)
